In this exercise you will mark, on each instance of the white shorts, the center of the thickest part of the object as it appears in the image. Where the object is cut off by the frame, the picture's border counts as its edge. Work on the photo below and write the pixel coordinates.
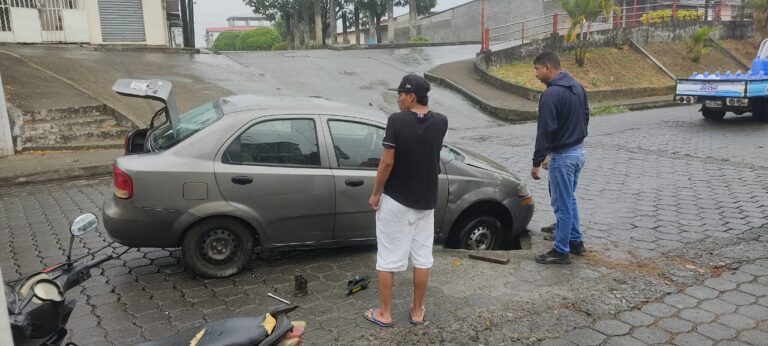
(403, 233)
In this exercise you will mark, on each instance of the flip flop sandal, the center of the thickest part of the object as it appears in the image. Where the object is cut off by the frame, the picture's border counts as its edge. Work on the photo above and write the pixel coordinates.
(423, 319)
(371, 317)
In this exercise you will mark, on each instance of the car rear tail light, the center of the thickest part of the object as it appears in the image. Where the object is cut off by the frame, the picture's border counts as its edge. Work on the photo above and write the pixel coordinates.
(123, 183)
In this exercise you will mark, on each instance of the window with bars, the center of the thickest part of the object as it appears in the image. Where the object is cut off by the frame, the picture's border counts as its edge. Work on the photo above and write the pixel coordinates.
(24, 3)
(5, 16)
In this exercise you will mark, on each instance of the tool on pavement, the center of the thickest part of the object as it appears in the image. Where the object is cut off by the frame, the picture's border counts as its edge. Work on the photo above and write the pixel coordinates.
(489, 259)
(278, 298)
(357, 284)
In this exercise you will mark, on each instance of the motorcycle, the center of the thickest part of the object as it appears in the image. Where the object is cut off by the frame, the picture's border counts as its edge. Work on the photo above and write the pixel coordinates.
(39, 311)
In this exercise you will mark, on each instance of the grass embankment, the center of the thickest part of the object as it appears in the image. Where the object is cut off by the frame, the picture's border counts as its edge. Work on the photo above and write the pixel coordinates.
(606, 68)
(672, 56)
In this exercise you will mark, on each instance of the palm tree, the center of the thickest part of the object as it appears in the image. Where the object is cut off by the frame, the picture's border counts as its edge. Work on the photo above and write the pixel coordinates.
(582, 13)
(698, 42)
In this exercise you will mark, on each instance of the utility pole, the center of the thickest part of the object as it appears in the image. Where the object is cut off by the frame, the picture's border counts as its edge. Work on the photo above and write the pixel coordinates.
(184, 22)
(191, 9)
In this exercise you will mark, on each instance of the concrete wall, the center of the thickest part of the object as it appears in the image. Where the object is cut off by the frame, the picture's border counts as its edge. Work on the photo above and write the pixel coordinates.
(25, 23)
(75, 25)
(155, 25)
(6, 139)
(679, 31)
(462, 23)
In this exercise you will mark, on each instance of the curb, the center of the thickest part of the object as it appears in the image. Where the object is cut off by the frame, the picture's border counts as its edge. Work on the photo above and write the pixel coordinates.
(99, 169)
(145, 49)
(500, 112)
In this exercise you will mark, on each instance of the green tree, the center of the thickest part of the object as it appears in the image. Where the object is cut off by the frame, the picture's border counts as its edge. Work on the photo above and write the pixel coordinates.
(422, 7)
(582, 13)
(258, 39)
(760, 15)
(699, 43)
(273, 9)
(226, 41)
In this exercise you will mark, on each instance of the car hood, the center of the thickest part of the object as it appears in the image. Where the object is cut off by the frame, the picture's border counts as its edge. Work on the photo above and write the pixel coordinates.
(479, 161)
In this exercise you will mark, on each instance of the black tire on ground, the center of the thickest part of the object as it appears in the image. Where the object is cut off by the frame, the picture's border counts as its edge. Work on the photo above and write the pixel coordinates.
(760, 111)
(217, 247)
(479, 232)
(712, 114)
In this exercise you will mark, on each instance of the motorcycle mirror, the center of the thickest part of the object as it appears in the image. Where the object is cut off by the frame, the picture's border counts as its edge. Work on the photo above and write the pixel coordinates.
(48, 291)
(83, 224)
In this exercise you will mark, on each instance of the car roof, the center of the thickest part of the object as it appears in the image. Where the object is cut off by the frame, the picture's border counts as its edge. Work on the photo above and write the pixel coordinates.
(309, 104)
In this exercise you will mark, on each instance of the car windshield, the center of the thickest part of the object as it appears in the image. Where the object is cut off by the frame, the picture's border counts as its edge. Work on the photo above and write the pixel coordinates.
(190, 122)
(452, 153)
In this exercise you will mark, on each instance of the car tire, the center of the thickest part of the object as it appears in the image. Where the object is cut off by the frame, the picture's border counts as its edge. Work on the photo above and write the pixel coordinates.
(760, 111)
(218, 247)
(712, 114)
(479, 232)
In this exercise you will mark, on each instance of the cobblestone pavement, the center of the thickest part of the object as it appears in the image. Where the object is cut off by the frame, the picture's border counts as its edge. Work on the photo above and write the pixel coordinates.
(673, 208)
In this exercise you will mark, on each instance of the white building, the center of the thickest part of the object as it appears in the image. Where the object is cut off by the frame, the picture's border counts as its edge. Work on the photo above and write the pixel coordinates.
(84, 21)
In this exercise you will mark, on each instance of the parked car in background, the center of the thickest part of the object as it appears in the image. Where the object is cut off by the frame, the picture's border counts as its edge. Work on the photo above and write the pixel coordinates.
(247, 173)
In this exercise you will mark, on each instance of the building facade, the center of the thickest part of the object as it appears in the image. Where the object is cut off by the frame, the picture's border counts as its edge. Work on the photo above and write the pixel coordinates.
(84, 21)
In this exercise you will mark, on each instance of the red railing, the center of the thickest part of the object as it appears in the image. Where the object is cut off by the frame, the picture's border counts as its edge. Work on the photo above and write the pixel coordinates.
(515, 33)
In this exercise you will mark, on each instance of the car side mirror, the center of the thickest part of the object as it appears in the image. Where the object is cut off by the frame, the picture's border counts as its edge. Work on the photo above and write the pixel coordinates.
(82, 224)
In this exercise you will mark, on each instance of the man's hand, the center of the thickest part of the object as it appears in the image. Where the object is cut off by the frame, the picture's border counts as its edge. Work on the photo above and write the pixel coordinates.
(545, 164)
(374, 201)
(535, 173)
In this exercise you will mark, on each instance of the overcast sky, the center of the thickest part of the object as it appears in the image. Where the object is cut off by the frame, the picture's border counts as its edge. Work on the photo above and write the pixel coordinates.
(212, 13)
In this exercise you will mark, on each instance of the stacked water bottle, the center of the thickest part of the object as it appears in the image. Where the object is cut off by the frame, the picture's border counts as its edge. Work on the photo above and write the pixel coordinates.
(758, 71)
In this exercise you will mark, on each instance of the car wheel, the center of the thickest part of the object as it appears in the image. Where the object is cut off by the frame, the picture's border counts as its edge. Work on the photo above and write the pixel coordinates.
(217, 248)
(760, 111)
(480, 233)
(712, 114)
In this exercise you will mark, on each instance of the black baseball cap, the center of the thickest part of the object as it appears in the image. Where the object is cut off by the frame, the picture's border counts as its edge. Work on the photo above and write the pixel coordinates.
(413, 83)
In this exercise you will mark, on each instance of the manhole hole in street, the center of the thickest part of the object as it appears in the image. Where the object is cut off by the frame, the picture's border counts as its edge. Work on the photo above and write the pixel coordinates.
(521, 242)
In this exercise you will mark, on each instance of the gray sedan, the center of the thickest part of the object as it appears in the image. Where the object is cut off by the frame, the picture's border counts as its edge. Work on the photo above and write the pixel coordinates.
(249, 173)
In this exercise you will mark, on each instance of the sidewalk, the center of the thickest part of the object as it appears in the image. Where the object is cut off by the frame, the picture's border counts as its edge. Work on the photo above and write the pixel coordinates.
(37, 167)
(460, 76)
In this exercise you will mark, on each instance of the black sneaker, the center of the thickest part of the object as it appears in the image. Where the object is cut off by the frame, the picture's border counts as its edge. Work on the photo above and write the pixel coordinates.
(549, 229)
(578, 249)
(553, 257)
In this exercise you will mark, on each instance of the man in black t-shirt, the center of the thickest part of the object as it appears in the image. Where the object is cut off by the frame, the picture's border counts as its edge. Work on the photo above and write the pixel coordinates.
(405, 196)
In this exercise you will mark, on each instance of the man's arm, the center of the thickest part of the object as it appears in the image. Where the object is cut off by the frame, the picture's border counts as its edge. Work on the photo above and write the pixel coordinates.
(547, 125)
(382, 174)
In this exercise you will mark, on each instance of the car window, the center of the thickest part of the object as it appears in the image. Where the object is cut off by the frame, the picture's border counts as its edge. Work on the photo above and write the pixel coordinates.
(190, 122)
(356, 145)
(277, 142)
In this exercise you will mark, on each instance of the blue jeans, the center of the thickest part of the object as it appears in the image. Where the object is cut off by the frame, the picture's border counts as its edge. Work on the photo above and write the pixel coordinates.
(564, 169)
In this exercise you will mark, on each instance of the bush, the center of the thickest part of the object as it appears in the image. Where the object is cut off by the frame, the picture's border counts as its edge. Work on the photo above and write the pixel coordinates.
(312, 45)
(258, 39)
(280, 46)
(226, 41)
(665, 16)
(419, 39)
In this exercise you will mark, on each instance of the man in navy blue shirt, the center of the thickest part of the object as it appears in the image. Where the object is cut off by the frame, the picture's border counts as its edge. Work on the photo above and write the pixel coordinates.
(562, 127)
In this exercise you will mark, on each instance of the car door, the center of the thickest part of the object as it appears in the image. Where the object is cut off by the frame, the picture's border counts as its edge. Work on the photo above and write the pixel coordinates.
(274, 171)
(355, 149)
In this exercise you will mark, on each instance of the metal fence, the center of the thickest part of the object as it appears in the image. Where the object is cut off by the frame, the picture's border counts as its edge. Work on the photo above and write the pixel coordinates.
(512, 34)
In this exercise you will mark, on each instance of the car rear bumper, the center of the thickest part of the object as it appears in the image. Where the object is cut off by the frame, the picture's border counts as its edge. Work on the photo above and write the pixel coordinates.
(140, 227)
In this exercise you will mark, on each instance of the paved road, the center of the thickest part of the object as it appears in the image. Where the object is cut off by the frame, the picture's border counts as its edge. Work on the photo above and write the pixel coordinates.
(659, 189)
(357, 77)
